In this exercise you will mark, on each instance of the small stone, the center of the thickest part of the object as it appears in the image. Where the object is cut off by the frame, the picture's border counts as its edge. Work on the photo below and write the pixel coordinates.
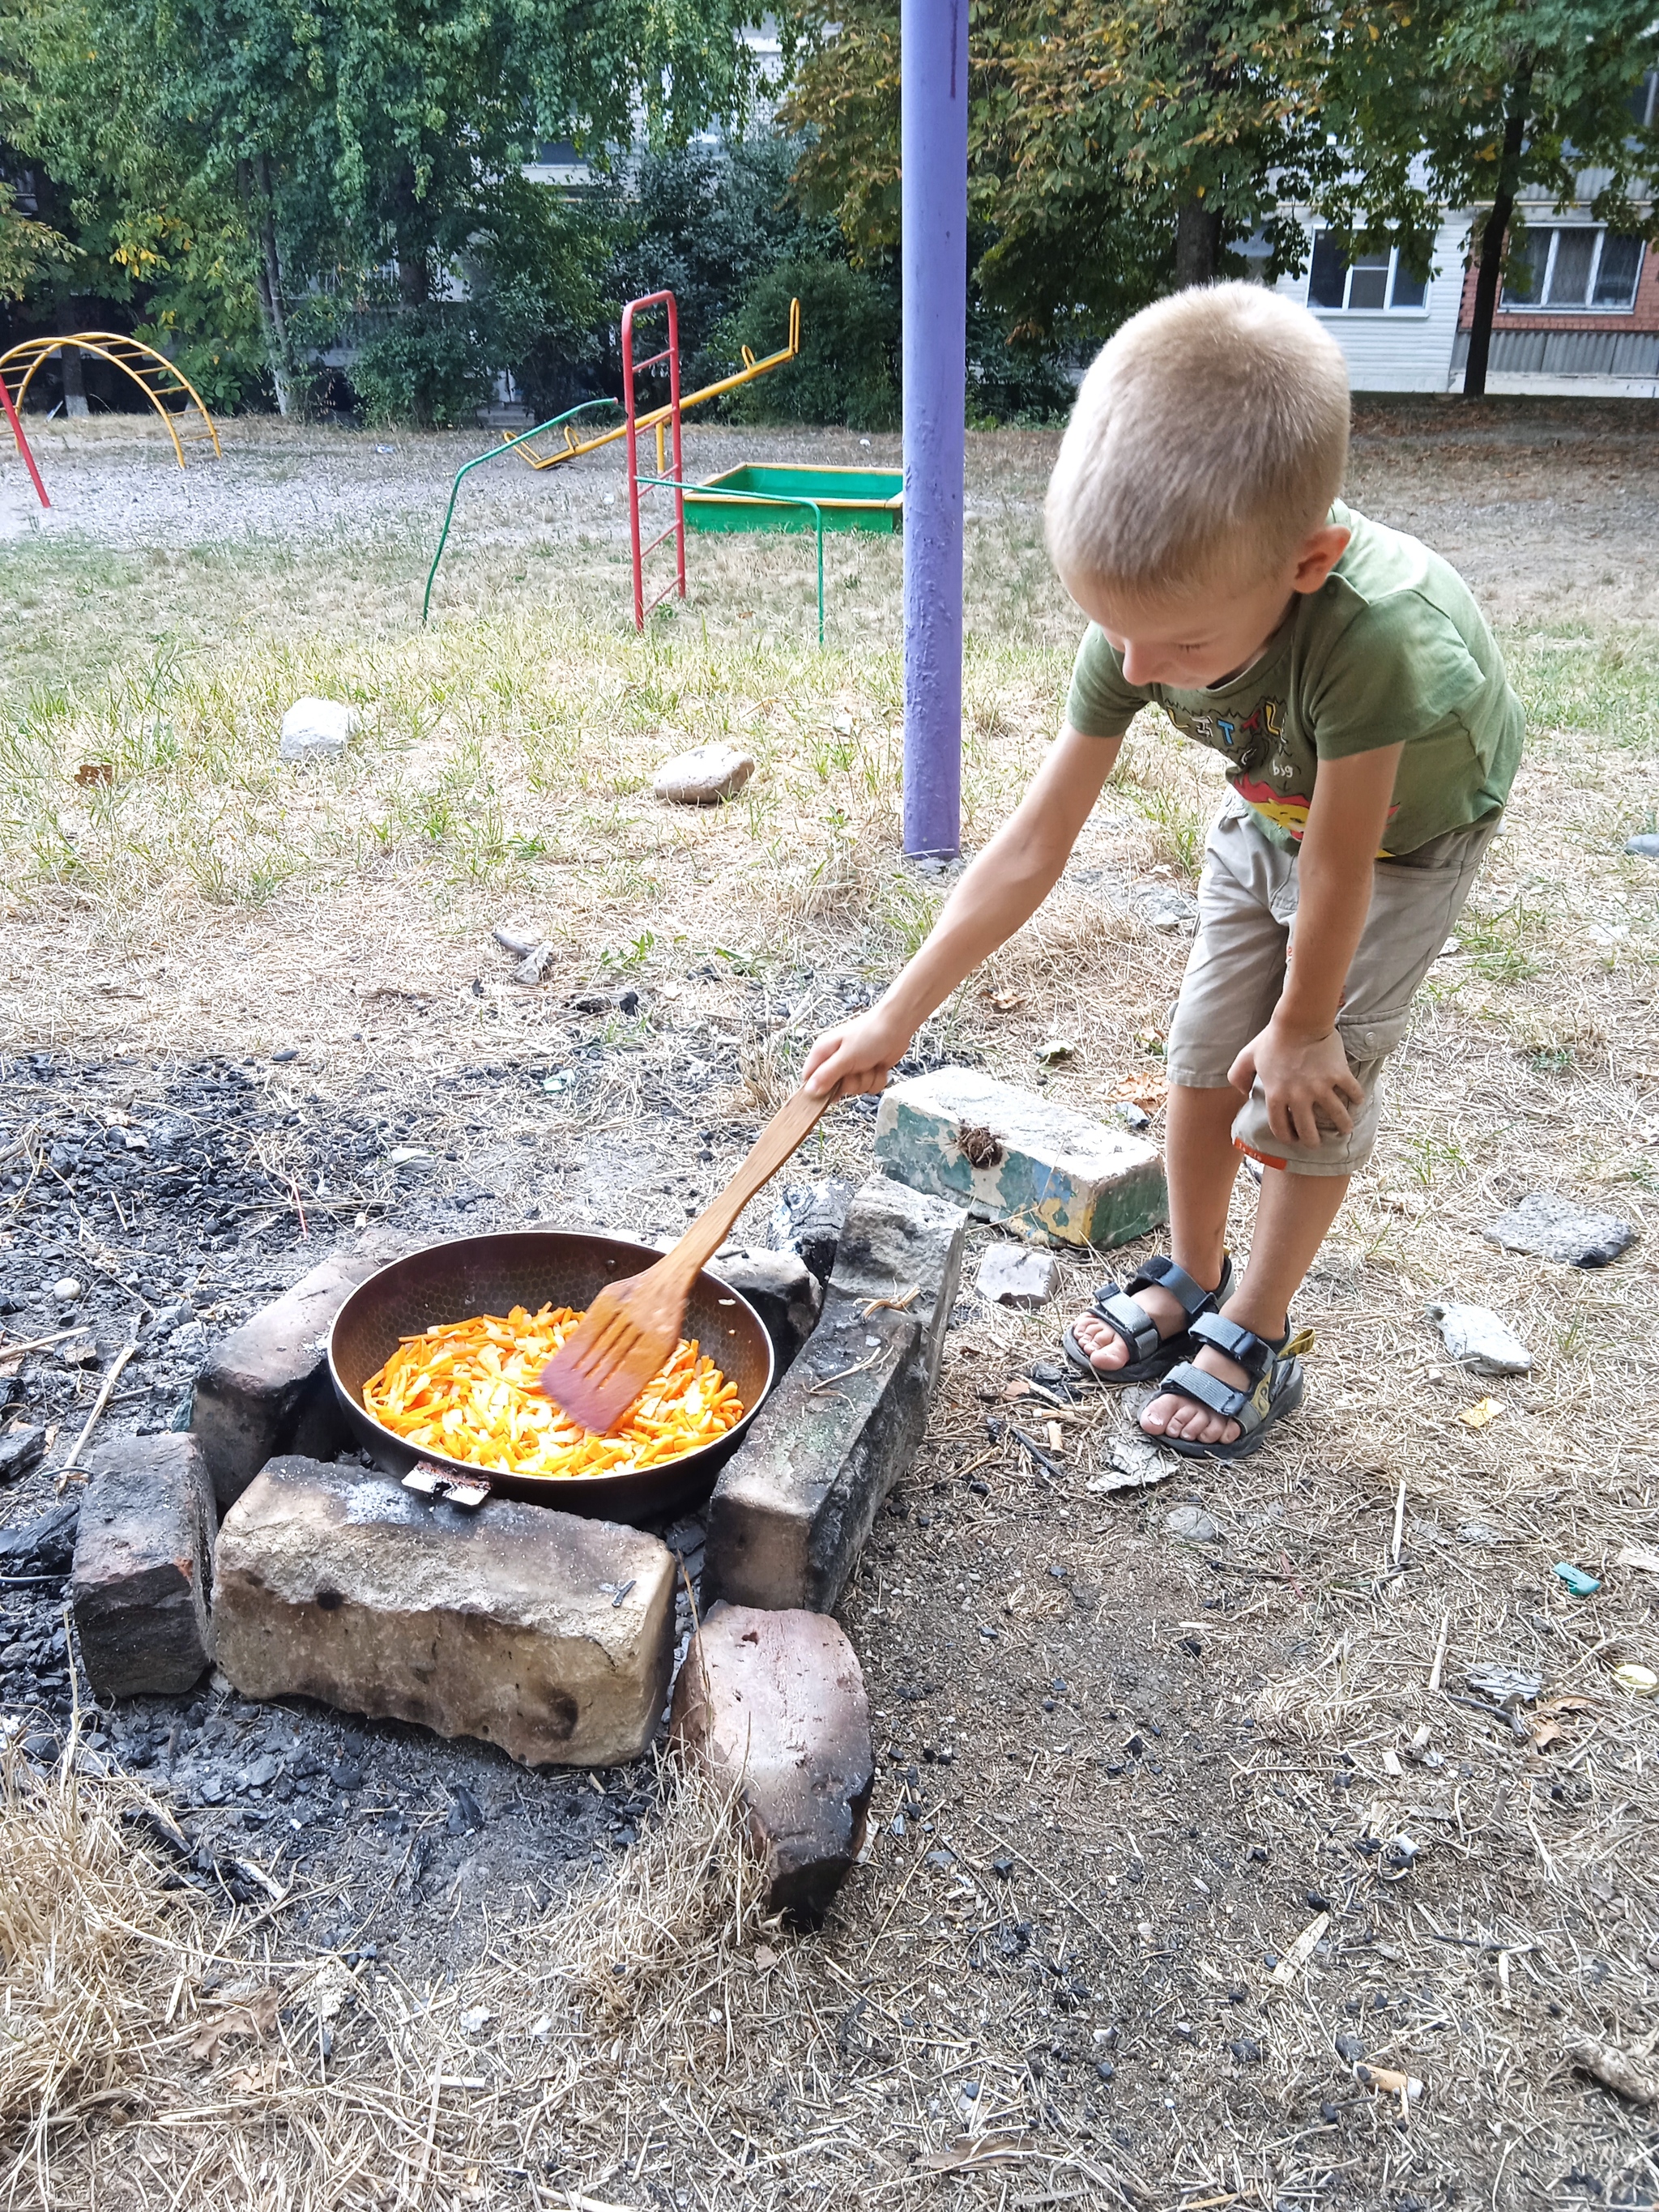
(1645, 845)
(807, 1221)
(66, 1289)
(1191, 1524)
(1477, 1338)
(465, 1814)
(705, 776)
(1245, 2050)
(21, 1448)
(1479, 1534)
(334, 1582)
(1552, 1228)
(782, 1290)
(317, 729)
(144, 1567)
(1016, 1157)
(1054, 1052)
(267, 1389)
(1016, 1275)
(77, 1351)
(1351, 2048)
(537, 965)
(773, 1705)
(263, 1772)
(1167, 909)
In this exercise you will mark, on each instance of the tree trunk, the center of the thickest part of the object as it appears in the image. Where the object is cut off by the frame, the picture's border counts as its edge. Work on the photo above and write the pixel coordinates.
(254, 178)
(74, 388)
(1494, 234)
(1197, 244)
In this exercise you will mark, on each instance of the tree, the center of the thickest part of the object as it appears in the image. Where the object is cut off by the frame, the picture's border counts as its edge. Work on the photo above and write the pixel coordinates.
(1493, 96)
(1114, 152)
(331, 144)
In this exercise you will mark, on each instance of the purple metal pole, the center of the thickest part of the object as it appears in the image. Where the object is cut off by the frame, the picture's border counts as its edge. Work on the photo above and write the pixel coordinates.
(933, 120)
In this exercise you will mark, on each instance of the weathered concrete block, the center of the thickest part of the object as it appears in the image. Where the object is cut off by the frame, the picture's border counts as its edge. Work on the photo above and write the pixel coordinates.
(897, 1242)
(1018, 1158)
(144, 1567)
(1013, 1275)
(807, 1221)
(266, 1388)
(774, 1704)
(793, 1504)
(549, 1635)
(782, 1290)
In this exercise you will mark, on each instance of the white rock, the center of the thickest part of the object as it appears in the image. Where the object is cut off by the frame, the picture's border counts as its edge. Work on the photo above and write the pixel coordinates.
(1477, 1338)
(1191, 1524)
(317, 729)
(1011, 1275)
(704, 777)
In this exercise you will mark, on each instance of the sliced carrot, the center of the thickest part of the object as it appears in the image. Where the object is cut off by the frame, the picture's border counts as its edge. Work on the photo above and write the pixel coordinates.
(472, 1390)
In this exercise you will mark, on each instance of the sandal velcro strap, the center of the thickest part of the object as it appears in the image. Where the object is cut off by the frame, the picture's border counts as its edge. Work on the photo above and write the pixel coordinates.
(1162, 1274)
(1254, 1353)
(1187, 1381)
(1129, 1318)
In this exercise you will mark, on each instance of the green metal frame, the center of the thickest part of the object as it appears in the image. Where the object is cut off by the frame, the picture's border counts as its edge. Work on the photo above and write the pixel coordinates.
(507, 445)
(761, 499)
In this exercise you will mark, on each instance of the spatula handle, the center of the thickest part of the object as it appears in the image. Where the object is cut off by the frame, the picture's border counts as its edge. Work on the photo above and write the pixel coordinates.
(782, 1137)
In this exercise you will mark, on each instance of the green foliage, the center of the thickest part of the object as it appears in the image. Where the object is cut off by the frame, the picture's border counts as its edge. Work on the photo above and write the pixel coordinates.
(849, 346)
(426, 367)
(28, 248)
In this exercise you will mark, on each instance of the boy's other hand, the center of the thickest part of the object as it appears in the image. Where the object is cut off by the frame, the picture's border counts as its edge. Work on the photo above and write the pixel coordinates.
(859, 1055)
(1307, 1081)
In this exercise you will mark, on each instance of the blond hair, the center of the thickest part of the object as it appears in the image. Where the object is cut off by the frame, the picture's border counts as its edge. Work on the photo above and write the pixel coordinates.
(1209, 437)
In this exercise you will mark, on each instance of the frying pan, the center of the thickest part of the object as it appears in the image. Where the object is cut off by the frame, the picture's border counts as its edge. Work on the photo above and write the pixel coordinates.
(533, 1267)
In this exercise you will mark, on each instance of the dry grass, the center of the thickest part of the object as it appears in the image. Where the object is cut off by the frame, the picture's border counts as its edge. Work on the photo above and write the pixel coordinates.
(207, 898)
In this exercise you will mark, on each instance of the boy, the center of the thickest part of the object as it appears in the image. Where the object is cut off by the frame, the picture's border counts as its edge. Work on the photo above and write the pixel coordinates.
(1370, 737)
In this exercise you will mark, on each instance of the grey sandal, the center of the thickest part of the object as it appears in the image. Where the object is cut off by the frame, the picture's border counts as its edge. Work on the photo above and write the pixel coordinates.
(1150, 1356)
(1277, 1383)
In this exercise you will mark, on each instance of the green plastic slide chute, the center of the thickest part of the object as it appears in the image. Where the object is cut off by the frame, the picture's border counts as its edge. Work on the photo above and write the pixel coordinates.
(494, 453)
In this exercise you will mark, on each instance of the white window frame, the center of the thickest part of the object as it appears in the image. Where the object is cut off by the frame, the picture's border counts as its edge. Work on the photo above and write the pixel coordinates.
(1420, 310)
(1587, 306)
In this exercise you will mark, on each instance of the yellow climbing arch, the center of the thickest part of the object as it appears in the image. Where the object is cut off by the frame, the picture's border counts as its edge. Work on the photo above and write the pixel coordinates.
(161, 382)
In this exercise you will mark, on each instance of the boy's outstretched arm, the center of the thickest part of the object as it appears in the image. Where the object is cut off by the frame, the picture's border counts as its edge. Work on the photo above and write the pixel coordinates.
(1298, 1058)
(999, 894)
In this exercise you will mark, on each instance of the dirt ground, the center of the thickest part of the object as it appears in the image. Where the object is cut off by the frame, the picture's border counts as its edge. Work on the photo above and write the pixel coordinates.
(1123, 1770)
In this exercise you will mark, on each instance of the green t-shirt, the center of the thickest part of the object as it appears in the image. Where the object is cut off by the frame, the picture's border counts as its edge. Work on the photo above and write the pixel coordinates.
(1392, 648)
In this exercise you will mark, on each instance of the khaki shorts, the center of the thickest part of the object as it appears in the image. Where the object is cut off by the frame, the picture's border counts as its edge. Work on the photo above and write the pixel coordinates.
(1246, 917)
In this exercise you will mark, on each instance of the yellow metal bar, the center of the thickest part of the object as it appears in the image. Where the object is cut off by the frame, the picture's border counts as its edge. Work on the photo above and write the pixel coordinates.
(114, 347)
(573, 449)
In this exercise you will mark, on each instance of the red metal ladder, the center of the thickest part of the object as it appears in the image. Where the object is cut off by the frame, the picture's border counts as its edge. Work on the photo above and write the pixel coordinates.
(655, 419)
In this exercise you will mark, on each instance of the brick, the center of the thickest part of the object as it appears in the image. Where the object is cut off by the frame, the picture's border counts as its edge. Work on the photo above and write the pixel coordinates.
(542, 1632)
(267, 1389)
(773, 1705)
(144, 1567)
(807, 1221)
(1049, 1172)
(782, 1290)
(898, 1243)
(794, 1503)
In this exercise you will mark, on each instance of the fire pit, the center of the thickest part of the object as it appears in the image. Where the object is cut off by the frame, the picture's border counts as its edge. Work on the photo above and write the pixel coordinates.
(531, 1268)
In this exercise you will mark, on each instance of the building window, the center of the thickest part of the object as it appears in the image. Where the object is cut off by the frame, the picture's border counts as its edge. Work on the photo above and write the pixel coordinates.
(1573, 267)
(1363, 282)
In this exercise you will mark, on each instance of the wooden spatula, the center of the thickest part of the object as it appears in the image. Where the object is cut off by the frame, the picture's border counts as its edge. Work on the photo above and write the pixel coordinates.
(633, 1327)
